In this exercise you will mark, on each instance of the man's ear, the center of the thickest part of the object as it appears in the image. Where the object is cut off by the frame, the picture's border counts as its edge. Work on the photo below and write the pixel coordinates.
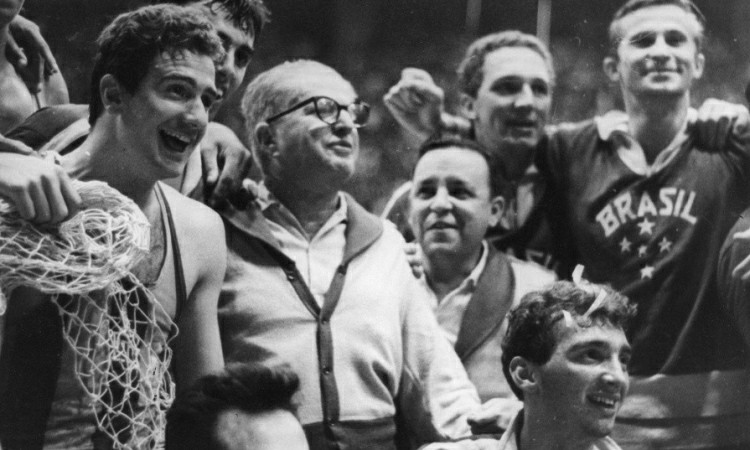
(467, 106)
(524, 374)
(700, 64)
(111, 93)
(265, 138)
(610, 68)
(497, 210)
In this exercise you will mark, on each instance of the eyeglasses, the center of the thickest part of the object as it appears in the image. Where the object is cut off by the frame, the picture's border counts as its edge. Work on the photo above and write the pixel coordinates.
(328, 110)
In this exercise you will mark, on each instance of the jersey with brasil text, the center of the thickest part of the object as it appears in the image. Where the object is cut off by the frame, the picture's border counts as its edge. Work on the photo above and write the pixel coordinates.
(655, 237)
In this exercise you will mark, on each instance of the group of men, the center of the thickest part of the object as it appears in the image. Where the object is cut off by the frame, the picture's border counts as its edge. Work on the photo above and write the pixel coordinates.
(303, 293)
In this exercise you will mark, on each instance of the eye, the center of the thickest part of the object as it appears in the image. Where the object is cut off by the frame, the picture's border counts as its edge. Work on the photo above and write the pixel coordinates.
(625, 359)
(592, 356)
(461, 193)
(179, 91)
(540, 88)
(243, 57)
(209, 100)
(425, 192)
(675, 38)
(643, 40)
(508, 87)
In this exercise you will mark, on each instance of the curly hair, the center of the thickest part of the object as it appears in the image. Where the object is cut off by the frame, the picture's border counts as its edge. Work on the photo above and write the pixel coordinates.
(471, 69)
(250, 388)
(127, 46)
(531, 325)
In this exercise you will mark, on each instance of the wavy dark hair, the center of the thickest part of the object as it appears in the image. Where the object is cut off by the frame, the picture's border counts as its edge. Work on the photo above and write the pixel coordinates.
(248, 387)
(127, 46)
(531, 325)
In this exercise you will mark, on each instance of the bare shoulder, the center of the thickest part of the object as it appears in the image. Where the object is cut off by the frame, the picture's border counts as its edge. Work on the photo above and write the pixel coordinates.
(191, 215)
(200, 232)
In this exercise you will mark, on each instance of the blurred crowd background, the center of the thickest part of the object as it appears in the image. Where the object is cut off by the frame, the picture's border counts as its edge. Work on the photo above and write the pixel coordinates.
(370, 41)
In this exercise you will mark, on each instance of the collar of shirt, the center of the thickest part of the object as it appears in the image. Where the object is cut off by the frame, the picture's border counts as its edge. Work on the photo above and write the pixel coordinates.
(450, 310)
(277, 213)
(317, 257)
(613, 126)
(522, 203)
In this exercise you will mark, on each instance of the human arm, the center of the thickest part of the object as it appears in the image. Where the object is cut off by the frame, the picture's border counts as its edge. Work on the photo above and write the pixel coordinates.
(733, 279)
(30, 54)
(225, 164)
(41, 190)
(417, 104)
(197, 347)
(717, 121)
(436, 395)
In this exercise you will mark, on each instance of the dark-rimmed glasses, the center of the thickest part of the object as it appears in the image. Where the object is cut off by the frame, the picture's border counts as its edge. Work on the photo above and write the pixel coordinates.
(328, 110)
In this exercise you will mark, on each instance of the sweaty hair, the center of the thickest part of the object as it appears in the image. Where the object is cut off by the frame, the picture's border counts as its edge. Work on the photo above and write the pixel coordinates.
(127, 46)
(531, 325)
(497, 173)
(251, 388)
(471, 69)
(275, 90)
(246, 15)
(615, 33)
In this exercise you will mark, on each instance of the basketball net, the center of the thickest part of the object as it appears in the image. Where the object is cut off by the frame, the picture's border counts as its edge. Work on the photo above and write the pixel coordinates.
(85, 264)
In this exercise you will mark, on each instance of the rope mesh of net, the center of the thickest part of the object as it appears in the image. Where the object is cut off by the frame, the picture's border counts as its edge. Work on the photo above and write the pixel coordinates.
(109, 318)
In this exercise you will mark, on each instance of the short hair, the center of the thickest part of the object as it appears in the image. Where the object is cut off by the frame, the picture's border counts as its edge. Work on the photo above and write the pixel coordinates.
(246, 15)
(249, 387)
(275, 90)
(531, 325)
(615, 34)
(127, 46)
(471, 68)
(497, 172)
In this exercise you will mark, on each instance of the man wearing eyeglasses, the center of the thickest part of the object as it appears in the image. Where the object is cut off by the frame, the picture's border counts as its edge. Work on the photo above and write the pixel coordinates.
(319, 283)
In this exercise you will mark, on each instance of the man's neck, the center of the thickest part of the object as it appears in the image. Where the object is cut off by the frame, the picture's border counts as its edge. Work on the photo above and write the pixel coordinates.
(311, 209)
(445, 272)
(101, 157)
(542, 434)
(655, 121)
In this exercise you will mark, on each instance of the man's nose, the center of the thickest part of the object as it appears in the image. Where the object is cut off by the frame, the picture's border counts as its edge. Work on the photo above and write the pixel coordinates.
(615, 374)
(441, 201)
(525, 97)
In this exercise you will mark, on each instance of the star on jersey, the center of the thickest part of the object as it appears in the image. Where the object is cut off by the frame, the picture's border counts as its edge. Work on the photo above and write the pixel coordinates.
(625, 245)
(646, 226)
(647, 272)
(642, 251)
(665, 245)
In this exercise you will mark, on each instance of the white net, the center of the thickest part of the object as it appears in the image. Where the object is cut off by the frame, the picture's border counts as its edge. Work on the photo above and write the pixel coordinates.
(110, 320)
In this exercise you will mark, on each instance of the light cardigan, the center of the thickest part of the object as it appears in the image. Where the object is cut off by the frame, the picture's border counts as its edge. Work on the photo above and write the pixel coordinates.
(375, 352)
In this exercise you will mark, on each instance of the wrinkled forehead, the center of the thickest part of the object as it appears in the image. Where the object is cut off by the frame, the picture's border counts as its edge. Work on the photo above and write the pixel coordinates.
(656, 18)
(302, 83)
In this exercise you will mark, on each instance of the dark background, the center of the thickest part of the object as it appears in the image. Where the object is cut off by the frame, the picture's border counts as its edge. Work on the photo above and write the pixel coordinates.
(370, 41)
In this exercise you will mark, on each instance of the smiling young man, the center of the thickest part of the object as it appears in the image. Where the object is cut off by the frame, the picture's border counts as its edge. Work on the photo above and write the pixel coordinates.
(317, 282)
(151, 89)
(457, 194)
(645, 206)
(565, 355)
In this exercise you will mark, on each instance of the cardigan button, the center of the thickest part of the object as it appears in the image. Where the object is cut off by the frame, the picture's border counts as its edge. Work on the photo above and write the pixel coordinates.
(290, 276)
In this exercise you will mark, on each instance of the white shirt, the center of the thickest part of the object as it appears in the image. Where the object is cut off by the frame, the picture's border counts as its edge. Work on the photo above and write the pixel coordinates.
(317, 258)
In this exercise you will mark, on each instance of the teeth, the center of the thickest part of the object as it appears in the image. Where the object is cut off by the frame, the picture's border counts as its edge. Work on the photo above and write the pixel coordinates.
(604, 400)
(180, 137)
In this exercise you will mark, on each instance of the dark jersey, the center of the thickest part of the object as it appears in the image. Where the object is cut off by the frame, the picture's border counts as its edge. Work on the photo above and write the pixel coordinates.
(655, 237)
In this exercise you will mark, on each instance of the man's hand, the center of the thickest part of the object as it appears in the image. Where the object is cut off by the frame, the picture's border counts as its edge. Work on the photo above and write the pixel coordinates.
(494, 416)
(414, 257)
(716, 120)
(14, 146)
(29, 53)
(416, 103)
(41, 190)
(226, 163)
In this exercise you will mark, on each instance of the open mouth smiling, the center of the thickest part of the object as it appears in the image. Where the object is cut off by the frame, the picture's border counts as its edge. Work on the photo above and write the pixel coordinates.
(175, 141)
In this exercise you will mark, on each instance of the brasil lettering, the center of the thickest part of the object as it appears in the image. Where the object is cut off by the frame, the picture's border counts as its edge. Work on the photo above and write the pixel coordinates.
(624, 208)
